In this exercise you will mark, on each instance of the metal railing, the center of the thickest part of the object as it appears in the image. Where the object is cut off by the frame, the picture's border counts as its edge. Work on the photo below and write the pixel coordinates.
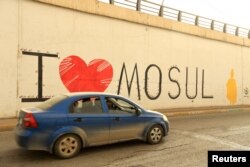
(160, 10)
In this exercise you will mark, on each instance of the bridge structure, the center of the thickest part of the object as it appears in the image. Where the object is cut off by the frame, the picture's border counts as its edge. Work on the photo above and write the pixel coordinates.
(160, 57)
(159, 9)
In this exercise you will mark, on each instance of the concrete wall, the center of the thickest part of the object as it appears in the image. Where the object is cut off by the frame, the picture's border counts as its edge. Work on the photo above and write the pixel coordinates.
(50, 50)
(9, 55)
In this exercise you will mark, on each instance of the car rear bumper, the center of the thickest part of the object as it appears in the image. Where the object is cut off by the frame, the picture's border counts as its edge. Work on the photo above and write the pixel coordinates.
(28, 139)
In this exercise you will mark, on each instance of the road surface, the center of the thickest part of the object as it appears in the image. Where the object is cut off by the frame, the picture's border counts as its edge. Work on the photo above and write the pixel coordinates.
(186, 145)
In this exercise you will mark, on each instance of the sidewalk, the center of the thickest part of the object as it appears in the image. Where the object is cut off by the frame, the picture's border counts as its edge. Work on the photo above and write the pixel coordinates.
(7, 124)
(204, 110)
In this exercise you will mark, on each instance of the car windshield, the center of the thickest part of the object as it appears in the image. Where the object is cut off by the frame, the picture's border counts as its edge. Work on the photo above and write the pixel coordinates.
(51, 102)
(122, 103)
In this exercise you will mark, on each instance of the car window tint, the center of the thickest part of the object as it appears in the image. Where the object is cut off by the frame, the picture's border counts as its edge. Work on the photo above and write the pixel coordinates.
(119, 106)
(90, 105)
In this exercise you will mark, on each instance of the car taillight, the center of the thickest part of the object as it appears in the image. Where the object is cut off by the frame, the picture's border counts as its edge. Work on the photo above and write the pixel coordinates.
(29, 121)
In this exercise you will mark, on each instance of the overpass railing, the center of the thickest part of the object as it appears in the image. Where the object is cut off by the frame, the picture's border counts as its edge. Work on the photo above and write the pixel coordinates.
(157, 9)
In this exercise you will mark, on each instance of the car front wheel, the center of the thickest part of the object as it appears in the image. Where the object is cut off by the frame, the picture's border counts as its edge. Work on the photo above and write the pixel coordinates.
(155, 134)
(67, 146)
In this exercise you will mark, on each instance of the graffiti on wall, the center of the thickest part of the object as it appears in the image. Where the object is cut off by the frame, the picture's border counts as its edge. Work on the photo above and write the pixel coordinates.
(40, 57)
(171, 77)
(77, 76)
(232, 88)
(246, 92)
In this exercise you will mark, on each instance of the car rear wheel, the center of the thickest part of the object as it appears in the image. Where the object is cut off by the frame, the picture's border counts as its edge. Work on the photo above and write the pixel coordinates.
(155, 134)
(67, 146)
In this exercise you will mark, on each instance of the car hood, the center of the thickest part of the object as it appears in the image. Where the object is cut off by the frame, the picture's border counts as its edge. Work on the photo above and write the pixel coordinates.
(154, 112)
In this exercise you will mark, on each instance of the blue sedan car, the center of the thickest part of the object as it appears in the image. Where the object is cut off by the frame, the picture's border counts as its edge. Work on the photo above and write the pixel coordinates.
(65, 124)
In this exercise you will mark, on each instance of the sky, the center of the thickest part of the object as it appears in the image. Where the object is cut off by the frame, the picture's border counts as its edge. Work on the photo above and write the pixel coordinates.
(228, 11)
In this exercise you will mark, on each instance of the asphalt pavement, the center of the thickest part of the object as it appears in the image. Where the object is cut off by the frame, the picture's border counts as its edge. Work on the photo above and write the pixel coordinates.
(187, 145)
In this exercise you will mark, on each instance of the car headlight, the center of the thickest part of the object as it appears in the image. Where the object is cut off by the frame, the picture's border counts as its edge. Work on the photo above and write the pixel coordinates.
(165, 118)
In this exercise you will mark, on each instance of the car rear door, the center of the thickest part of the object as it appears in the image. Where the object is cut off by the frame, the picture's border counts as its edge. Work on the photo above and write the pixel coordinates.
(87, 113)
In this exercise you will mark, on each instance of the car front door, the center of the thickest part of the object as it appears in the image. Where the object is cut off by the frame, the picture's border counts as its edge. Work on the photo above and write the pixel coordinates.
(125, 122)
(87, 113)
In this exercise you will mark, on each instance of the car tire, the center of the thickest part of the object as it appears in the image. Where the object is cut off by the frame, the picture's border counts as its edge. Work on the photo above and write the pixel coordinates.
(155, 134)
(67, 146)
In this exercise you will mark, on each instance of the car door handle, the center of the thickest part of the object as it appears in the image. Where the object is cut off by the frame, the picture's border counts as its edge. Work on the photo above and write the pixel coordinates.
(78, 120)
(116, 119)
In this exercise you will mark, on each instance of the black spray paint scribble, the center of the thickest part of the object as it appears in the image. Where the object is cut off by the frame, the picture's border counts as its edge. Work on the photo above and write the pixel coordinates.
(171, 77)
(40, 56)
(173, 74)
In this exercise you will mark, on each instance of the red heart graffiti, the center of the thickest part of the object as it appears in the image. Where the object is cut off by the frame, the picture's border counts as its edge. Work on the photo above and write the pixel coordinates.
(77, 76)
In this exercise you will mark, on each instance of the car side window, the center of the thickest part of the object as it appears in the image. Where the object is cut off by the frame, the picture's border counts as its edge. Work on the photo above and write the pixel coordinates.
(90, 105)
(119, 106)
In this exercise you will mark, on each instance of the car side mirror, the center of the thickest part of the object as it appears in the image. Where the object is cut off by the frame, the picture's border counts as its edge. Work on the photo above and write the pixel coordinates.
(138, 111)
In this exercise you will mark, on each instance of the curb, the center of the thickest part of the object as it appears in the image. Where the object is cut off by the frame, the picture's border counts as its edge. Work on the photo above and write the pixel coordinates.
(183, 113)
(7, 128)
(204, 111)
(9, 124)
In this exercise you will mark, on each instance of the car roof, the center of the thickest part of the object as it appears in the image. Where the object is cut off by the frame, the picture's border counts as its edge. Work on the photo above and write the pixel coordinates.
(88, 93)
(73, 94)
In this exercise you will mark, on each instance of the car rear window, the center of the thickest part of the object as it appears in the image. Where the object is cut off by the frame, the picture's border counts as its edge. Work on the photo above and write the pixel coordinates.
(51, 102)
